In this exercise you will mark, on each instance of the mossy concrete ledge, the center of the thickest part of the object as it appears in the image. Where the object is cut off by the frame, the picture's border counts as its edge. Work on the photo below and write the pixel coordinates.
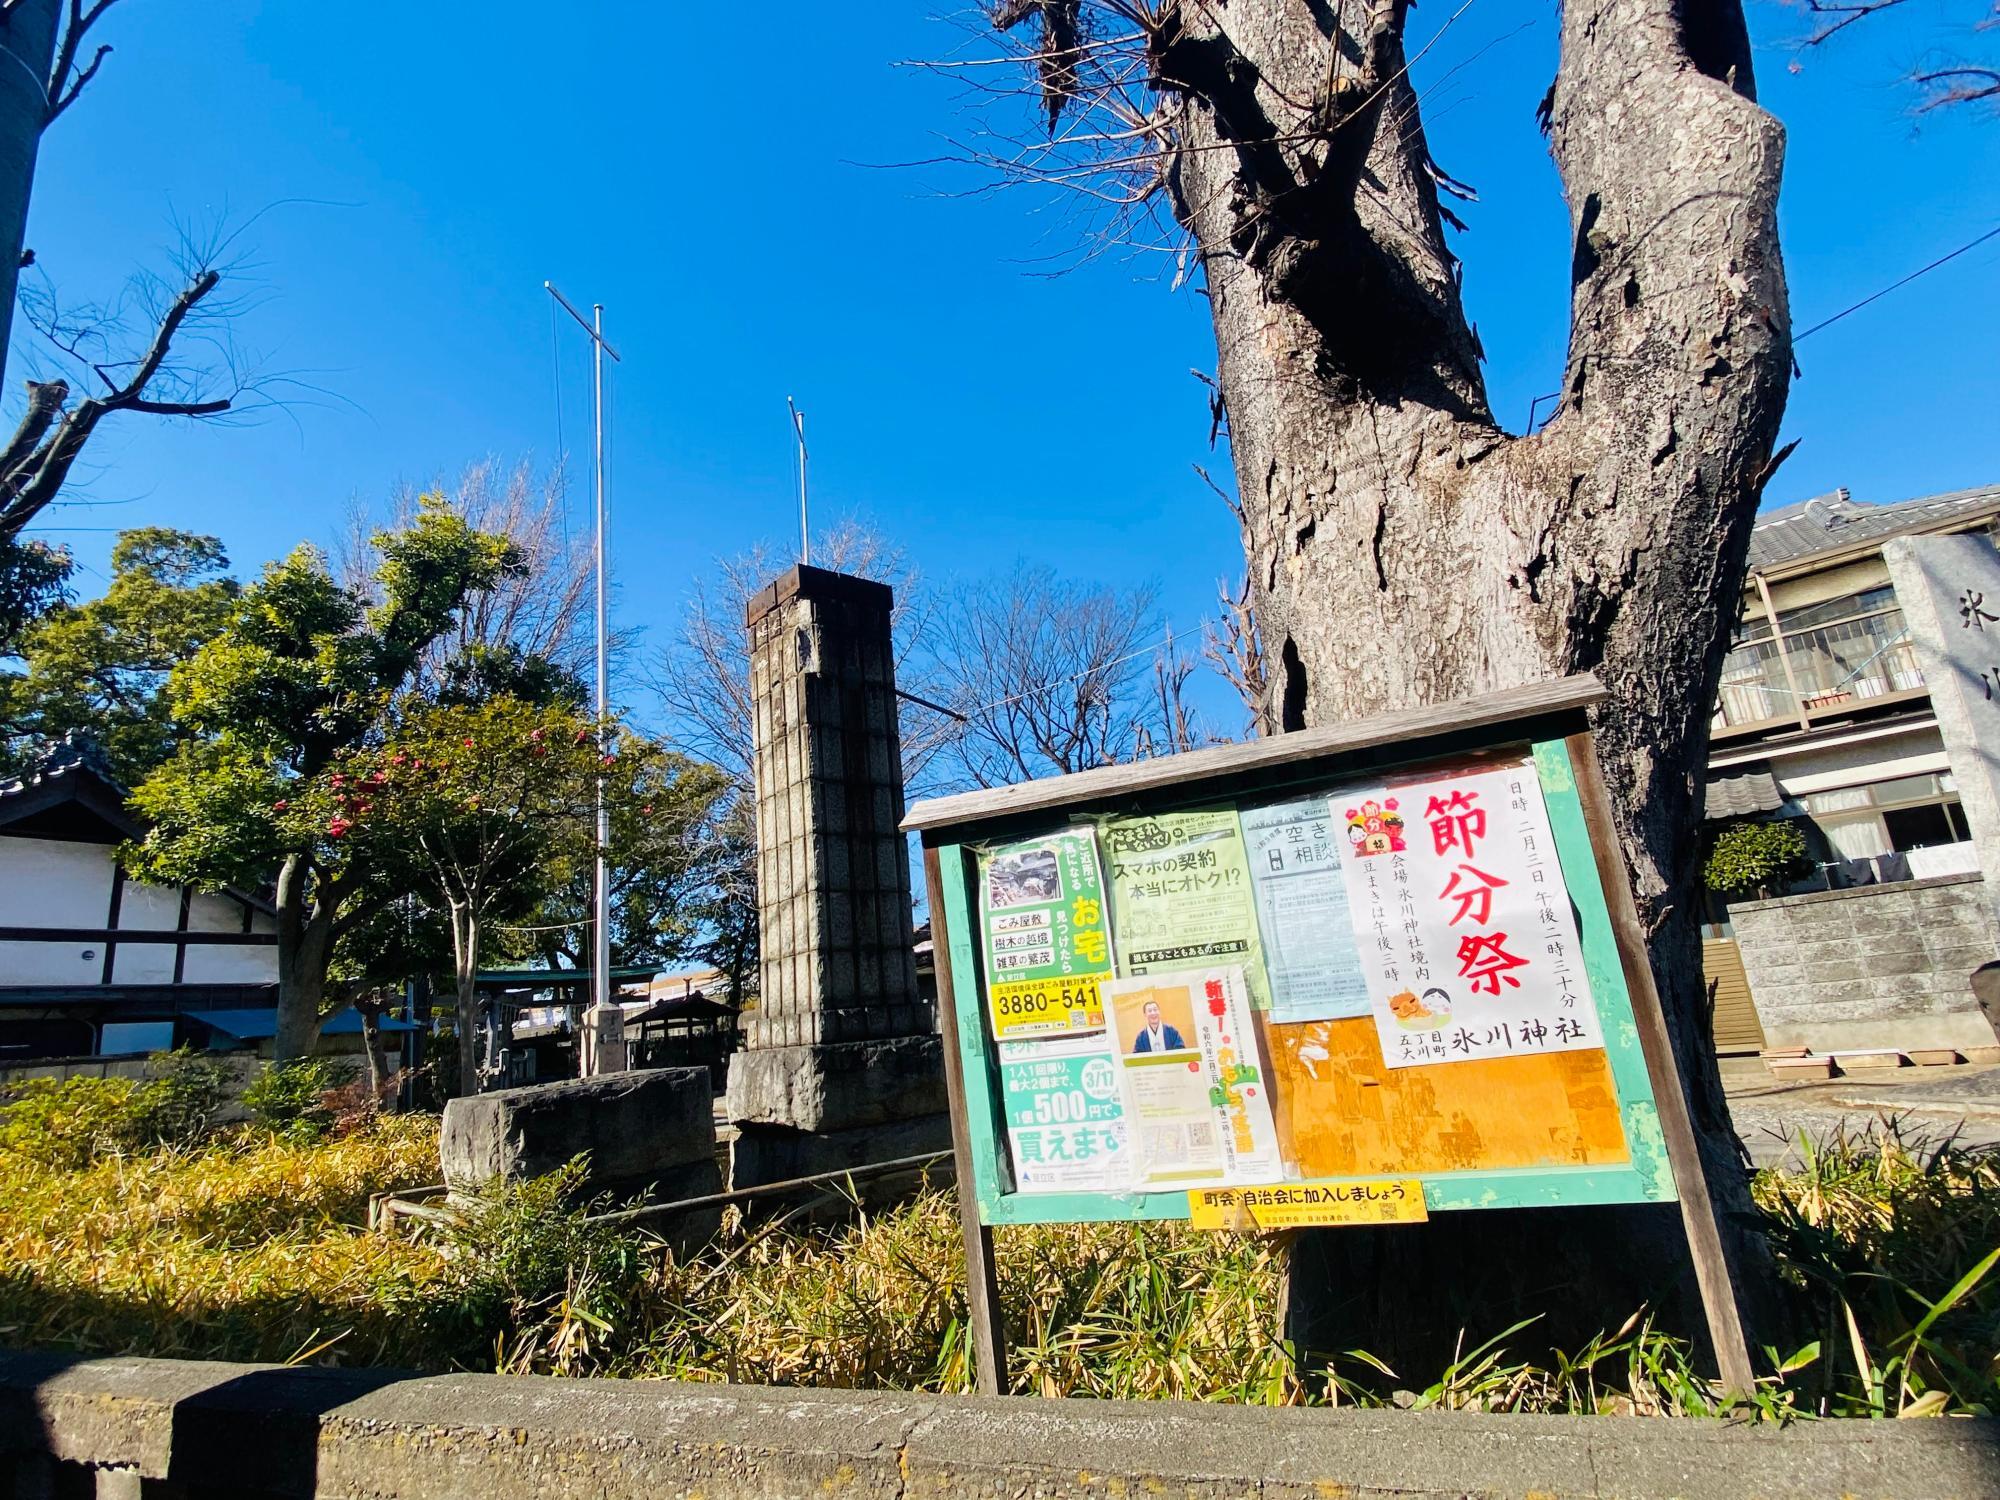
(188, 1430)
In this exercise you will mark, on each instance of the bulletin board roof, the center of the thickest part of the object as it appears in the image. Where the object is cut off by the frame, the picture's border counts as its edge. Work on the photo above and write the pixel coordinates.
(1407, 730)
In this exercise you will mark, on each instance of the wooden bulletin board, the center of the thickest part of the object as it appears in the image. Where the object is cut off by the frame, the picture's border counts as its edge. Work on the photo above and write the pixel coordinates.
(1599, 1125)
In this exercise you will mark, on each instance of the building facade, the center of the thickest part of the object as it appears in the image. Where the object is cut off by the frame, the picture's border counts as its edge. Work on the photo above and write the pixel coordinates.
(1824, 717)
(95, 963)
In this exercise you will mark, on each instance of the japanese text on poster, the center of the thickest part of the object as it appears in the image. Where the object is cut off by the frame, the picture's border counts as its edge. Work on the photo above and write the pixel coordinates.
(1048, 940)
(1389, 1200)
(1468, 943)
(1310, 959)
(1180, 888)
(1065, 1115)
(1195, 1091)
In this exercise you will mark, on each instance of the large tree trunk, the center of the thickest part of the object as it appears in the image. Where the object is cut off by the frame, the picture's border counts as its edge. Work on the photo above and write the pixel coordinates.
(1403, 549)
(305, 945)
(28, 50)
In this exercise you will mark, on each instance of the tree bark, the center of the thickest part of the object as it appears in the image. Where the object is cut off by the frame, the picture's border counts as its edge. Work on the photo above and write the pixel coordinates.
(370, 1008)
(1404, 549)
(28, 50)
(465, 953)
(305, 944)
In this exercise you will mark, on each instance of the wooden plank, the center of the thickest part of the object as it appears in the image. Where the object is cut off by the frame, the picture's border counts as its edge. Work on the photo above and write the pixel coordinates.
(1406, 730)
(1711, 1262)
(982, 1288)
(1738, 1030)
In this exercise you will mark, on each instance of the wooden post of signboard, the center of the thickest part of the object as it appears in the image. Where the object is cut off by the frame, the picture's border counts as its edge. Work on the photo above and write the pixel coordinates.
(1704, 1234)
(982, 1290)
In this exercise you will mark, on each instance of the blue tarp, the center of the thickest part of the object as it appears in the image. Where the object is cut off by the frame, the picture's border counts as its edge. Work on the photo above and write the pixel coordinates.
(255, 1025)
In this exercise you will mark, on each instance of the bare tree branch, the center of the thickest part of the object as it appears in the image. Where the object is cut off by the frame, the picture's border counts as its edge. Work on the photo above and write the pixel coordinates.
(1961, 85)
(41, 460)
(66, 81)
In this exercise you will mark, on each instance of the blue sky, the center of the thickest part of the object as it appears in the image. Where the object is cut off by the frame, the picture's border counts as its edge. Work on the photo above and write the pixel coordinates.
(711, 188)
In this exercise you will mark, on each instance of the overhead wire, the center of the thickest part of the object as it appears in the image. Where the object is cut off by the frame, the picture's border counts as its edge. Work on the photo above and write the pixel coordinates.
(1972, 244)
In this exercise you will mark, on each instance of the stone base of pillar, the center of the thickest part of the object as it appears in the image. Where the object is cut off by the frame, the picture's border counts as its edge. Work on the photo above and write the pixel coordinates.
(821, 1108)
(774, 1153)
(838, 1085)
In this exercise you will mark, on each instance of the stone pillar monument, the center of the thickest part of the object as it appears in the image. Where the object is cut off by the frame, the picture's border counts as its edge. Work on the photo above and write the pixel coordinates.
(841, 1064)
(1949, 590)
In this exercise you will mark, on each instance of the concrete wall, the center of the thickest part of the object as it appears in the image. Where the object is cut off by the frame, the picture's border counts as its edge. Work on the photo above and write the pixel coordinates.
(170, 1428)
(1883, 967)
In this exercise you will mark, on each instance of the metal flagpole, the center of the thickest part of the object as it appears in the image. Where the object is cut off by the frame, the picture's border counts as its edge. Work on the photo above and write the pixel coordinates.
(805, 535)
(604, 1054)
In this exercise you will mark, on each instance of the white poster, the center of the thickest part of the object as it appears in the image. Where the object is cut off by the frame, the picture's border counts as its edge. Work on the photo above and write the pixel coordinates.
(1294, 851)
(1463, 921)
(1195, 1093)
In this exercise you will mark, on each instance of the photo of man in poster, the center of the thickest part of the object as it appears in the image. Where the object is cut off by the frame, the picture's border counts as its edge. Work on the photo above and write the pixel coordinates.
(1156, 1035)
(1156, 1020)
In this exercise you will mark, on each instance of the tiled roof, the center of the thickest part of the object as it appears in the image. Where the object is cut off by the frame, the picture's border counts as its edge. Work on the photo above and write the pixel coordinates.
(1828, 522)
(74, 751)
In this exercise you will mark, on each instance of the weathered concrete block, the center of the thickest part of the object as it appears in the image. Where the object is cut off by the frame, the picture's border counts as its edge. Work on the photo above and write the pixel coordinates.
(840, 1086)
(636, 1128)
(768, 1153)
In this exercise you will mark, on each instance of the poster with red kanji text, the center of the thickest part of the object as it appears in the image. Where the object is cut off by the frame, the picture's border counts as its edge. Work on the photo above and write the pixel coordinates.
(1464, 925)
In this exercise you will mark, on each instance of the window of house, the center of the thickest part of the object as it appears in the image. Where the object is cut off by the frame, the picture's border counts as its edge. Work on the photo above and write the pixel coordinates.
(1889, 817)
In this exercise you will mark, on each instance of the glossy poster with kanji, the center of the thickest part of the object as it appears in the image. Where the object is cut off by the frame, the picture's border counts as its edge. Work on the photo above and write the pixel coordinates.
(1463, 922)
(1047, 935)
(1066, 1115)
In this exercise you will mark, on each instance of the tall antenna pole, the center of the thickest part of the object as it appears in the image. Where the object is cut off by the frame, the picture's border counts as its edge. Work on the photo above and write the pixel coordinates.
(805, 534)
(601, 943)
(601, 958)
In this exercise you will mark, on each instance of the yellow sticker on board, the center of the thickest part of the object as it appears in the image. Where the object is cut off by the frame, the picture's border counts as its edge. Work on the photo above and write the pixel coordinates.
(1040, 1007)
(1296, 1205)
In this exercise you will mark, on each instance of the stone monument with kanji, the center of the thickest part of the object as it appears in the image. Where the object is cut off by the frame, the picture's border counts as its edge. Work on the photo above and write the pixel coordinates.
(841, 1064)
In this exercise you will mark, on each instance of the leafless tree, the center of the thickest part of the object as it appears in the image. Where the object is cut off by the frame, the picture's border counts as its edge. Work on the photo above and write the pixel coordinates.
(1950, 73)
(185, 364)
(702, 677)
(545, 612)
(43, 42)
(1402, 547)
(1052, 675)
(1232, 645)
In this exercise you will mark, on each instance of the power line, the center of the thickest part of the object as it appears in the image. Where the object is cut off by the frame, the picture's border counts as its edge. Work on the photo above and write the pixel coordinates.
(1973, 244)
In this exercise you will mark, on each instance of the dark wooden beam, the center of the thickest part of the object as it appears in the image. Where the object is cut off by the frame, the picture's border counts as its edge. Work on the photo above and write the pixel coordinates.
(134, 935)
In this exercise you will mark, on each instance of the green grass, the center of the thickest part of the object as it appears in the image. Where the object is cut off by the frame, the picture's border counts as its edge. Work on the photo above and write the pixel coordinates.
(252, 1246)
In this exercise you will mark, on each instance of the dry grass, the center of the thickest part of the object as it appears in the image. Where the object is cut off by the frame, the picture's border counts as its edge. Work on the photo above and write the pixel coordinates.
(253, 1248)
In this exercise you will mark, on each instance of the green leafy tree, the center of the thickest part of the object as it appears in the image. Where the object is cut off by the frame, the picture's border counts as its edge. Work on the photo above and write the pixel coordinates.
(728, 916)
(479, 806)
(34, 579)
(302, 673)
(100, 668)
(666, 854)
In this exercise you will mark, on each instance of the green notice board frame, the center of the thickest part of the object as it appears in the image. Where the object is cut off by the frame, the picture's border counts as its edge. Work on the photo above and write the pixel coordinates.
(1550, 720)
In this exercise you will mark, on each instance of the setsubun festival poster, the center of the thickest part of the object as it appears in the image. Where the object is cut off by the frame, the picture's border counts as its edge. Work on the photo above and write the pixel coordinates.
(1463, 921)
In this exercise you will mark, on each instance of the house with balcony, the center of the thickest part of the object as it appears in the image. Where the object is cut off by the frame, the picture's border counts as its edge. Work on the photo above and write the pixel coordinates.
(1823, 717)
